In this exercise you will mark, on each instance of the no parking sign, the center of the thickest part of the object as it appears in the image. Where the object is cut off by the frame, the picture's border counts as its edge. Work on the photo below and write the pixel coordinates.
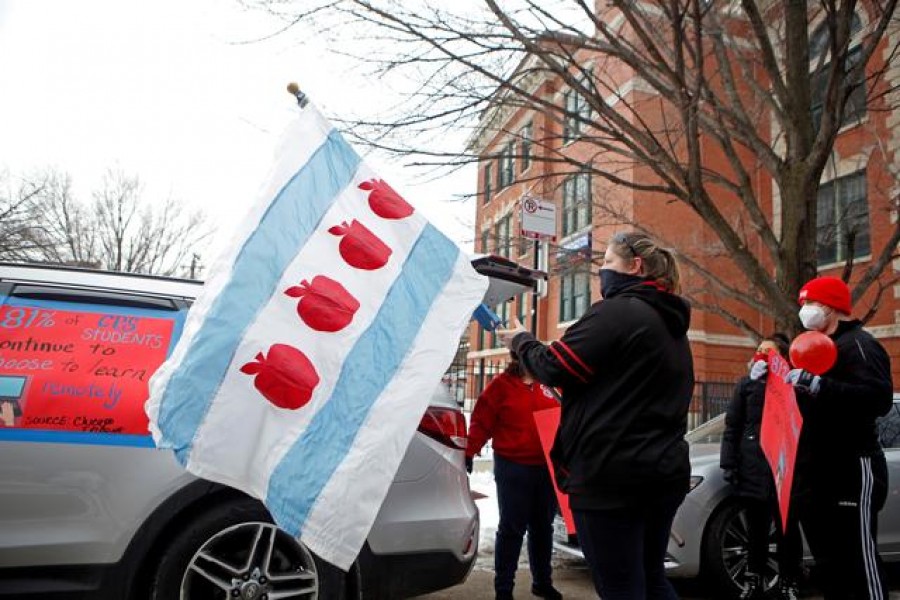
(538, 219)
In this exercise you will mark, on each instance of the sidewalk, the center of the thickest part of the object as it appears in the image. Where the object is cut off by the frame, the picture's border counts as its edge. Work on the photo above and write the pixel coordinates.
(573, 581)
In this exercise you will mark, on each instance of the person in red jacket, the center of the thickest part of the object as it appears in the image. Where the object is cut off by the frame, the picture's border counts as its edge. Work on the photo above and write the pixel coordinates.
(525, 493)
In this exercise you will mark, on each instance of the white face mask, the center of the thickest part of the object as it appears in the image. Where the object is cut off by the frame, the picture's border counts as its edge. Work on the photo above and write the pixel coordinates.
(813, 317)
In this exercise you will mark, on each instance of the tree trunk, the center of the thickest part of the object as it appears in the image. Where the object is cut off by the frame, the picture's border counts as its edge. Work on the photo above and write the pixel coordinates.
(797, 263)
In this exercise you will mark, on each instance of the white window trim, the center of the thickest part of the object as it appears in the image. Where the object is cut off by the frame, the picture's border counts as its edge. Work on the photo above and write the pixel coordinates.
(845, 168)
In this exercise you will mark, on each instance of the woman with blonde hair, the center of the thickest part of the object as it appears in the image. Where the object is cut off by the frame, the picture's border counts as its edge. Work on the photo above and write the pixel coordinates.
(626, 374)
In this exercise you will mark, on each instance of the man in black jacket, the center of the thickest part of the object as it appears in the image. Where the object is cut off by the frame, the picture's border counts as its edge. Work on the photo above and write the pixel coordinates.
(626, 374)
(841, 476)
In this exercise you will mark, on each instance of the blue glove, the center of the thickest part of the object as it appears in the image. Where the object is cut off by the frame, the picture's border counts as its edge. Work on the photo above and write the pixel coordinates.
(758, 370)
(804, 381)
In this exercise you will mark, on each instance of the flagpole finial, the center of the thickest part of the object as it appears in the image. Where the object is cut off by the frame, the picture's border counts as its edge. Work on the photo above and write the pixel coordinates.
(294, 90)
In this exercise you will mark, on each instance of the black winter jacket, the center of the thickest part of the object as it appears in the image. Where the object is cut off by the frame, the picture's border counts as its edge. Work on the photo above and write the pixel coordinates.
(626, 373)
(839, 421)
(741, 451)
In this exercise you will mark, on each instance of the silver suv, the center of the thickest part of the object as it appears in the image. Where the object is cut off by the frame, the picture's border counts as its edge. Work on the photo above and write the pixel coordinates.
(88, 505)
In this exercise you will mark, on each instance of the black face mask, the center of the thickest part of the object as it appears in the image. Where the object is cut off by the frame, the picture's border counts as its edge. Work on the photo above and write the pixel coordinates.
(613, 282)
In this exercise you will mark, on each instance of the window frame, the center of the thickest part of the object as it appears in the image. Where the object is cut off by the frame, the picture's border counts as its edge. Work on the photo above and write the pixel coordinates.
(577, 200)
(573, 126)
(506, 171)
(835, 201)
(487, 188)
(502, 229)
(856, 106)
(502, 311)
(521, 313)
(526, 133)
(574, 284)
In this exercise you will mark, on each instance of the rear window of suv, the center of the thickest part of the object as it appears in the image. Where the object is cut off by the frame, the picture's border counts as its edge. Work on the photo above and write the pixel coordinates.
(75, 364)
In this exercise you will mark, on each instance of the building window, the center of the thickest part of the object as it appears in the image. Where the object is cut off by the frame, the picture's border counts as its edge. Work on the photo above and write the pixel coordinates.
(502, 311)
(574, 294)
(501, 232)
(525, 135)
(507, 165)
(485, 240)
(577, 112)
(523, 309)
(576, 203)
(487, 183)
(842, 220)
(819, 48)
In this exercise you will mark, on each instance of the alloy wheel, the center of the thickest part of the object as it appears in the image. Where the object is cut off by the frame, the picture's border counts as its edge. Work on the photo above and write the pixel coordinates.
(251, 561)
(735, 542)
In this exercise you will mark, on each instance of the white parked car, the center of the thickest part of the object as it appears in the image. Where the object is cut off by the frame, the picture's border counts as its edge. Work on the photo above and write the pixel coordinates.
(89, 506)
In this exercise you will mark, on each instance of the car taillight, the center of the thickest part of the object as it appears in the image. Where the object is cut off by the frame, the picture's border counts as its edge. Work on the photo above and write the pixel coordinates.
(446, 425)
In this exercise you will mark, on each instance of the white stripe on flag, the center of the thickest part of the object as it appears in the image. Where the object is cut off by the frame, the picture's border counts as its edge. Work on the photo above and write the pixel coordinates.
(373, 376)
(249, 460)
(369, 468)
(184, 395)
(311, 130)
(378, 355)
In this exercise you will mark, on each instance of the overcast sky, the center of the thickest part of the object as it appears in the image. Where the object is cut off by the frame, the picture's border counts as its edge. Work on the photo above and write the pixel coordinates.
(163, 90)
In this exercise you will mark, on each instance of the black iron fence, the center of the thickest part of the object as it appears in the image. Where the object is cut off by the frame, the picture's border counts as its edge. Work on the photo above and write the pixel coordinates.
(710, 399)
(467, 380)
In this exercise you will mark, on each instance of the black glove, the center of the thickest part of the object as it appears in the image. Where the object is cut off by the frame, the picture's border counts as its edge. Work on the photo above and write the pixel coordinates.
(469, 464)
(731, 476)
(804, 381)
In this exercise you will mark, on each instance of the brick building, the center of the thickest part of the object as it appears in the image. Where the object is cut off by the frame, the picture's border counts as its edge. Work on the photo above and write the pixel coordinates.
(858, 192)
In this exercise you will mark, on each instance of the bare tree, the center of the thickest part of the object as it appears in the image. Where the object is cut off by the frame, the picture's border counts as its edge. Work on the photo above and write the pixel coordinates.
(760, 86)
(66, 227)
(119, 230)
(19, 216)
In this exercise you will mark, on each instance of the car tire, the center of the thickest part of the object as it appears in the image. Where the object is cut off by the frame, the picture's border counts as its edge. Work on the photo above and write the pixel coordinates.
(234, 551)
(724, 560)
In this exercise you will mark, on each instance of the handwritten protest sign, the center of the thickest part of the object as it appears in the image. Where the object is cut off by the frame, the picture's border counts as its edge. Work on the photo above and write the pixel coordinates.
(78, 371)
(780, 431)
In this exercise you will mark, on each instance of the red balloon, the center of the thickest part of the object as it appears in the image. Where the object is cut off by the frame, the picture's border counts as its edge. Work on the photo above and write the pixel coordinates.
(813, 351)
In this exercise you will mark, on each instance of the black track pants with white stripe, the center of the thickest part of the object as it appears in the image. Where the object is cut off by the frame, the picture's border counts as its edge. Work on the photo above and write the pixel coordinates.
(841, 524)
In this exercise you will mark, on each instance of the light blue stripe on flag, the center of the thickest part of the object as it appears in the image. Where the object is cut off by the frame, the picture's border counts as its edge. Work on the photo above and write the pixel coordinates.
(372, 363)
(284, 229)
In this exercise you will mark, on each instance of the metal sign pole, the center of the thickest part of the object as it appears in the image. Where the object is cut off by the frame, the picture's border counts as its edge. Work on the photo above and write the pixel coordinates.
(538, 218)
(534, 294)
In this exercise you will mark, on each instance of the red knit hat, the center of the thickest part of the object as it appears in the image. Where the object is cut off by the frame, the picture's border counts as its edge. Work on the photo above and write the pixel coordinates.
(830, 291)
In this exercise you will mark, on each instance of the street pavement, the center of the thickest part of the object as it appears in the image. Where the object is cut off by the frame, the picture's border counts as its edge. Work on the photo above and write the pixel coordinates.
(573, 580)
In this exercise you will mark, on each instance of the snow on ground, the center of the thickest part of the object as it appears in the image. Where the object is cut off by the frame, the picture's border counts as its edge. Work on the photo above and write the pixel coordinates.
(482, 481)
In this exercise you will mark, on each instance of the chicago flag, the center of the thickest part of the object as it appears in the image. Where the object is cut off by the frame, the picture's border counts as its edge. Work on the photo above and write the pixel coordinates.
(310, 354)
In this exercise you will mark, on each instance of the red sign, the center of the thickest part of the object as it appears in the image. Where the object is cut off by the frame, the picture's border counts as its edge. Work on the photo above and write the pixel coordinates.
(78, 371)
(547, 422)
(780, 431)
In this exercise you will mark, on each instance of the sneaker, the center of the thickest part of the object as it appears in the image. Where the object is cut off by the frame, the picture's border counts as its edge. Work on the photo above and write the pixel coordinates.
(788, 590)
(753, 587)
(546, 591)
